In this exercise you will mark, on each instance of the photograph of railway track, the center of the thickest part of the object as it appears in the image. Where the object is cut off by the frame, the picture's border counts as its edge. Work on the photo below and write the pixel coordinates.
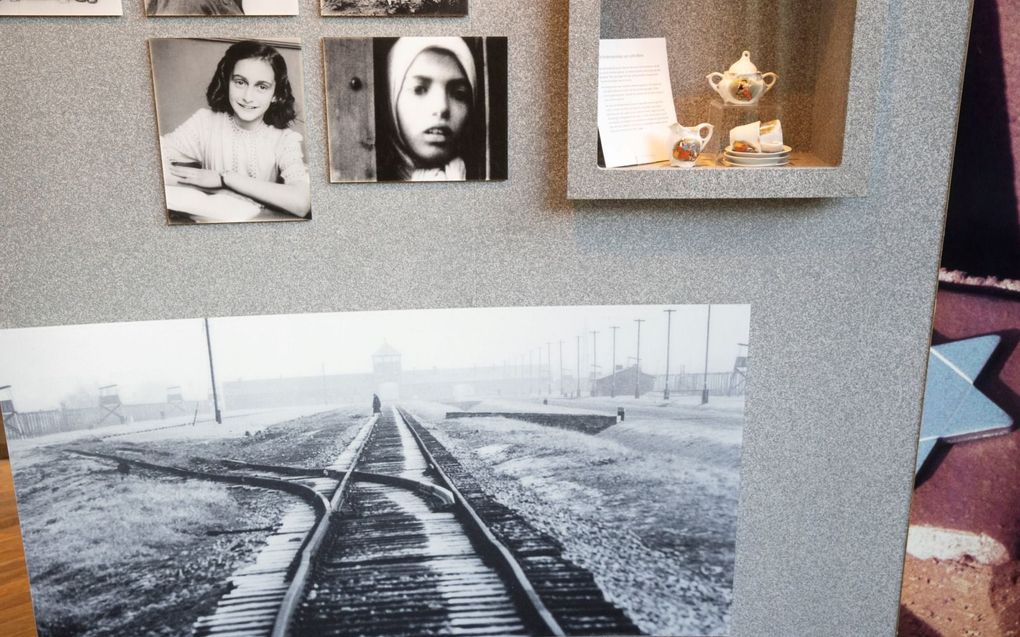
(395, 8)
(490, 471)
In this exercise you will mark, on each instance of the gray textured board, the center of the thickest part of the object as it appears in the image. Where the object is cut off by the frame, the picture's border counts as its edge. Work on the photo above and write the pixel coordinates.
(841, 290)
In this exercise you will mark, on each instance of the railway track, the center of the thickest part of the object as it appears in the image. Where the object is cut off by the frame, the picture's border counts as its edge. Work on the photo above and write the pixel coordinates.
(402, 541)
(403, 562)
(568, 591)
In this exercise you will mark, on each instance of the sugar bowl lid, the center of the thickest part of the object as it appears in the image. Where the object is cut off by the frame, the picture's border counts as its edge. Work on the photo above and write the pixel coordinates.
(743, 66)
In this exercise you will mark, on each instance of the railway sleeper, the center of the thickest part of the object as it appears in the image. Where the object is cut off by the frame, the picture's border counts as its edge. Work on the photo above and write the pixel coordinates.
(240, 609)
(428, 569)
(354, 603)
(413, 610)
(402, 631)
(384, 581)
(379, 588)
(401, 626)
(442, 603)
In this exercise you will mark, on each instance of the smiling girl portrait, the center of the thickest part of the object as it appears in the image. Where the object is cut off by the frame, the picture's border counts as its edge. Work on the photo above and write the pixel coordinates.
(231, 134)
(416, 109)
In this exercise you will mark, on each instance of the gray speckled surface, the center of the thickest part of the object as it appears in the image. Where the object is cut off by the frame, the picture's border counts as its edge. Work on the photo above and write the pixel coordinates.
(841, 289)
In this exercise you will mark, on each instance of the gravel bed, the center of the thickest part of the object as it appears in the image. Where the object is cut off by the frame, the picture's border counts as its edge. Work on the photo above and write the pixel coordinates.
(137, 554)
(309, 441)
(144, 553)
(657, 531)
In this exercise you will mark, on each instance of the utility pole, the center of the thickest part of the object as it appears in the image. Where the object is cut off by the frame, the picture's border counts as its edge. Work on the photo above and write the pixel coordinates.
(548, 365)
(594, 359)
(669, 328)
(538, 371)
(708, 329)
(562, 391)
(212, 375)
(531, 373)
(612, 385)
(578, 395)
(637, 372)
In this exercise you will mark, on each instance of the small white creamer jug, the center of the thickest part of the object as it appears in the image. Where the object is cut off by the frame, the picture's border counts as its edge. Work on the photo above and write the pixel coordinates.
(686, 143)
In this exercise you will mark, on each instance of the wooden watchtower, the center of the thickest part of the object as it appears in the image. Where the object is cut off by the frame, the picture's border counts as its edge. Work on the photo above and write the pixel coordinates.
(175, 400)
(109, 404)
(738, 379)
(9, 415)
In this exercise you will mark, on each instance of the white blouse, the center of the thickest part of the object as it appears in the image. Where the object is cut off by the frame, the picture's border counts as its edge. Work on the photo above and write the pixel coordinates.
(215, 141)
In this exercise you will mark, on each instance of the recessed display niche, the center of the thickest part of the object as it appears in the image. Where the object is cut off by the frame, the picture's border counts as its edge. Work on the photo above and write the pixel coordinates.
(826, 58)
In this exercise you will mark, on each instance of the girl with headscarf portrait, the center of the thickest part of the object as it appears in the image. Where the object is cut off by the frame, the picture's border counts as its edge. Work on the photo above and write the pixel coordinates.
(426, 116)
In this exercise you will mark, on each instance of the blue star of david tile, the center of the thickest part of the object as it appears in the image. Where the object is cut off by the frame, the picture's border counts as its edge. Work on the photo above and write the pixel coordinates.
(954, 409)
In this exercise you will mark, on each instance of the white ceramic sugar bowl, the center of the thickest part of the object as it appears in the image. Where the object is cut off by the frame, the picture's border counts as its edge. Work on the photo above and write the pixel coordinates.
(742, 83)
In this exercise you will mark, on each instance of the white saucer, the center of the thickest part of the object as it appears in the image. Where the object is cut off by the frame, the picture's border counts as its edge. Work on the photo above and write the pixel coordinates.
(779, 153)
(757, 161)
(726, 161)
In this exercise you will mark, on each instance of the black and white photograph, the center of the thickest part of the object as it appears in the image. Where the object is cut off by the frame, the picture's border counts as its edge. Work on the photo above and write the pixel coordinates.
(220, 7)
(383, 8)
(231, 119)
(488, 471)
(416, 108)
(82, 8)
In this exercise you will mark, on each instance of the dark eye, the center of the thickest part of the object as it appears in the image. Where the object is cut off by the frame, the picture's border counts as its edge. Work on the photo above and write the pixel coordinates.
(420, 89)
(237, 81)
(460, 92)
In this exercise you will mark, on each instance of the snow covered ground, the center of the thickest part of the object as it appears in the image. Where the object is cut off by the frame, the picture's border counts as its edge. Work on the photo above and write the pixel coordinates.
(144, 553)
(235, 423)
(648, 505)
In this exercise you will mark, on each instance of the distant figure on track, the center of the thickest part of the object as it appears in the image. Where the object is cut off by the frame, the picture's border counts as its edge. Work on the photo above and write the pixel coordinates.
(376, 404)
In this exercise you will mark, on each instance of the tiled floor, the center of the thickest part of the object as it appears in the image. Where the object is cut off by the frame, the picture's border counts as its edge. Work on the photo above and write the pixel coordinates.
(16, 618)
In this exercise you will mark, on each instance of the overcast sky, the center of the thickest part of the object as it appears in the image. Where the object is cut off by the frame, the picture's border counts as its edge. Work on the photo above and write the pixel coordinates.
(43, 365)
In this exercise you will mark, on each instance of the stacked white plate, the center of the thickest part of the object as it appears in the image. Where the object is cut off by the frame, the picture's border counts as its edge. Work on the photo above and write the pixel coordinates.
(756, 160)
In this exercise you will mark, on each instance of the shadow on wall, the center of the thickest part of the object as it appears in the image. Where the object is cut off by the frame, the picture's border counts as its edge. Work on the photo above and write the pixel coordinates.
(982, 228)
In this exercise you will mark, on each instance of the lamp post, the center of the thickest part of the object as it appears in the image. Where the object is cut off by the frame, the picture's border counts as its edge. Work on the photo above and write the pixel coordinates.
(548, 366)
(562, 390)
(637, 367)
(708, 329)
(531, 373)
(669, 328)
(212, 375)
(578, 394)
(612, 386)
